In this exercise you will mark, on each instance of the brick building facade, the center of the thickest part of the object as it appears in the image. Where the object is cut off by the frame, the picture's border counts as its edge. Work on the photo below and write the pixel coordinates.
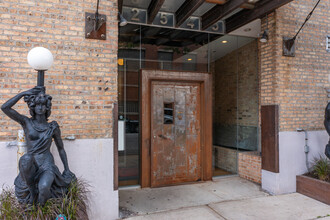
(83, 84)
(297, 85)
(83, 79)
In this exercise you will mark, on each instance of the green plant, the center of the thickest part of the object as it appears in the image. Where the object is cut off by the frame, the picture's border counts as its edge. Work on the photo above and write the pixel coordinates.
(9, 206)
(73, 205)
(321, 168)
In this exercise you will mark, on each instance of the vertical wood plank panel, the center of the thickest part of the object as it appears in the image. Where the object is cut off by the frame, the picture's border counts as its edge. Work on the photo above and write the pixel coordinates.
(269, 138)
(207, 127)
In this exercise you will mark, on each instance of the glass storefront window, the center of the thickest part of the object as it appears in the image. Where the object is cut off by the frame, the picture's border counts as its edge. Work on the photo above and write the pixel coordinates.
(235, 121)
(235, 84)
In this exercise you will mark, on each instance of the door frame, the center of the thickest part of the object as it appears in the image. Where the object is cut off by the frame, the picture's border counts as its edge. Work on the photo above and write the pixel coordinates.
(205, 80)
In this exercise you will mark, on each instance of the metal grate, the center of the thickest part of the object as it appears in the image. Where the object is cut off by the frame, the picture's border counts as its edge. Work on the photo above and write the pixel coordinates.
(328, 43)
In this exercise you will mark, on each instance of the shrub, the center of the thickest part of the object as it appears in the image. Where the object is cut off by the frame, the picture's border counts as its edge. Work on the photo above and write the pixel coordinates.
(73, 205)
(321, 168)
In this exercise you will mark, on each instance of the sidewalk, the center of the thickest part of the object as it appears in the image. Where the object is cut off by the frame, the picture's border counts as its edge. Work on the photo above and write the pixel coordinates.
(225, 198)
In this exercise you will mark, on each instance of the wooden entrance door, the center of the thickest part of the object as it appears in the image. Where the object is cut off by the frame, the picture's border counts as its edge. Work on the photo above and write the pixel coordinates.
(202, 82)
(175, 133)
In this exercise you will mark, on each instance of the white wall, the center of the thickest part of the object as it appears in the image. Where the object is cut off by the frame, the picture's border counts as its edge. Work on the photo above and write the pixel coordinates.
(90, 159)
(292, 159)
(8, 165)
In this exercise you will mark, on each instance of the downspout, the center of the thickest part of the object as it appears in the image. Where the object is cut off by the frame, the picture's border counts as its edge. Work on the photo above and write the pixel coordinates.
(306, 147)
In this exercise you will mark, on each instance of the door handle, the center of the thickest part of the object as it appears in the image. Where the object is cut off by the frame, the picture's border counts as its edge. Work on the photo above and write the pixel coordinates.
(162, 136)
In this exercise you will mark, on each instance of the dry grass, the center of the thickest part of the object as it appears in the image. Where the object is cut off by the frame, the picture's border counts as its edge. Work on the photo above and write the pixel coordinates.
(73, 205)
(320, 169)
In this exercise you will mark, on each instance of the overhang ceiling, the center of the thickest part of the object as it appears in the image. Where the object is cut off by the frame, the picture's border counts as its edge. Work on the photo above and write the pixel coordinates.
(238, 16)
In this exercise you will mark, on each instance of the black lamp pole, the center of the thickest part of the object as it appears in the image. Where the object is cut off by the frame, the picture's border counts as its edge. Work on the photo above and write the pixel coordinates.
(41, 78)
(96, 24)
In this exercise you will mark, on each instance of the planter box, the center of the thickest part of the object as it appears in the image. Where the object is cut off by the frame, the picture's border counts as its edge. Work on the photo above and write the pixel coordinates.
(314, 188)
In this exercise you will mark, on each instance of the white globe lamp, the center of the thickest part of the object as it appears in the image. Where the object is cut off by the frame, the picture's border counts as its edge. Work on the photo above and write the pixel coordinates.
(40, 59)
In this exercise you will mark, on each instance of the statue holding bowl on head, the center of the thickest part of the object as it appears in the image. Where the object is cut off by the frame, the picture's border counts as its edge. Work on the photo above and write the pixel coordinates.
(39, 179)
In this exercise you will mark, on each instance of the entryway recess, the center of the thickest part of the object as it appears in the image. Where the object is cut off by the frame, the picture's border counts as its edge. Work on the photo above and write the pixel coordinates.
(176, 127)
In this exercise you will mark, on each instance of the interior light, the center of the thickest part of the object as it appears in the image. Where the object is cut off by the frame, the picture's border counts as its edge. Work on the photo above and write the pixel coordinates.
(224, 41)
(120, 62)
(189, 59)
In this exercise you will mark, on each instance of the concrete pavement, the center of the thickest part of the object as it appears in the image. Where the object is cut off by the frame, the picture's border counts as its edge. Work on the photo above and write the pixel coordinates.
(229, 198)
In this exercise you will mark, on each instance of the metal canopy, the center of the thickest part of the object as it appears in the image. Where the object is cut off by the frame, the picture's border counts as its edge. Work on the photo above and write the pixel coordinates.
(182, 22)
(163, 36)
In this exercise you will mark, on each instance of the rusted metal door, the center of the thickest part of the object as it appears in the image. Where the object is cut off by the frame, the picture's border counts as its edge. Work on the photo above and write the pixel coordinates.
(175, 133)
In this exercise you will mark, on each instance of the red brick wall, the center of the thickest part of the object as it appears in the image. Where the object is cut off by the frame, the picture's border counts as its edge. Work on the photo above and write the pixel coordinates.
(297, 83)
(249, 166)
(225, 158)
(236, 87)
(83, 79)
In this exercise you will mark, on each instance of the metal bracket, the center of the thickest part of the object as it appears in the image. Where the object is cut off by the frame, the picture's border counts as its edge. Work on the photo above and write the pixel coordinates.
(11, 144)
(70, 138)
(289, 47)
(95, 26)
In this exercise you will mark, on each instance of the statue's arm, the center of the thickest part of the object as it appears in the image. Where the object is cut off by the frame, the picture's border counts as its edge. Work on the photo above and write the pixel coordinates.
(60, 148)
(11, 113)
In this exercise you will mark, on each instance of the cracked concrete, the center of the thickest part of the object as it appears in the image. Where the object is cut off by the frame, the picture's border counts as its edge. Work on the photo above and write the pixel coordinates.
(225, 198)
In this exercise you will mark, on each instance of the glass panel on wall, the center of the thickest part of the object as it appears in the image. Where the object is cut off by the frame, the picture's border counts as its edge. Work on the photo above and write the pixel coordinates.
(189, 64)
(165, 59)
(231, 60)
(175, 49)
(150, 47)
(235, 112)
(247, 94)
(129, 64)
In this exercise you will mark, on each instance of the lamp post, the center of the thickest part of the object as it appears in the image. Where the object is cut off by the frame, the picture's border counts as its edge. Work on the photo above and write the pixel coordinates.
(40, 59)
(327, 121)
(32, 186)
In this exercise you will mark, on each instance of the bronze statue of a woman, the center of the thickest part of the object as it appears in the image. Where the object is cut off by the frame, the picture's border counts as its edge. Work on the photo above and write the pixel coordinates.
(39, 178)
(327, 128)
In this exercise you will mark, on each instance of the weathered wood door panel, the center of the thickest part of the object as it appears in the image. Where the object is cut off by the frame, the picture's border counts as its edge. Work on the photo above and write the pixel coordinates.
(201, 128)
(175, 133)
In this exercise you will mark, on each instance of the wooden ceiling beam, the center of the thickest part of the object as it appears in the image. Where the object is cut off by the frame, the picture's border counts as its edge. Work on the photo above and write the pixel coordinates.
(171, 36)
(186, 10)
(153, 9)
(220, 2)
(247, 6)
(246, 16)
(220, 11)
(151, 31)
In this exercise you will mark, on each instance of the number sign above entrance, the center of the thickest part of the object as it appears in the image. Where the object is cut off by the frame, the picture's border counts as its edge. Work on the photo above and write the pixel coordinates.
(165, 19)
